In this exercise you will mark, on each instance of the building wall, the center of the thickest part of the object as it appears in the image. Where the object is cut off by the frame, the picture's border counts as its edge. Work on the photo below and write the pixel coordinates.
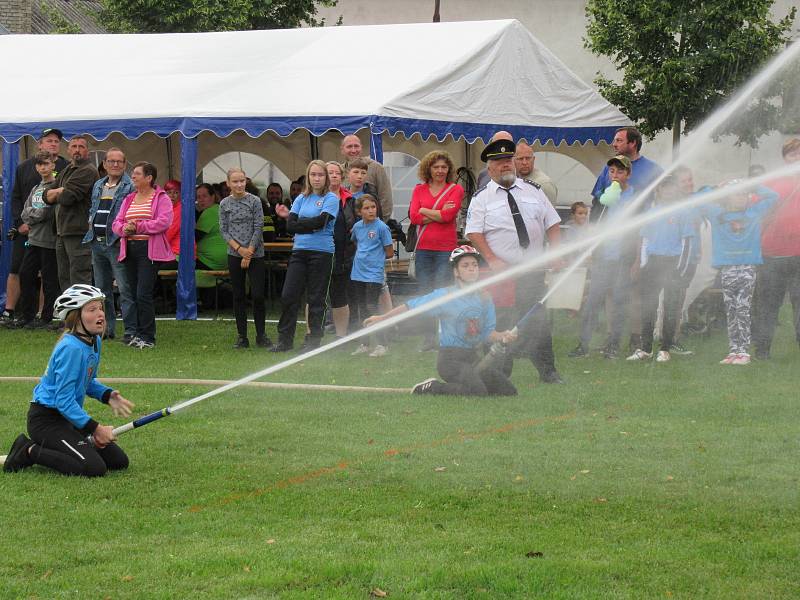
(16, 15)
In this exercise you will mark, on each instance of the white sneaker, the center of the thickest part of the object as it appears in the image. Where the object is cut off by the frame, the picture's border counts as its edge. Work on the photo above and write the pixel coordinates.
(663, 356)
(741, 359)
(728, 359)
(134, 343)
(640, 354)
(360, 350)
(425, 387)
(379, 351)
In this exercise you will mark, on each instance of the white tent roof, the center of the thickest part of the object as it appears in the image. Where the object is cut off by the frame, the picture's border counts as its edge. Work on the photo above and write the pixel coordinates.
(466, 79)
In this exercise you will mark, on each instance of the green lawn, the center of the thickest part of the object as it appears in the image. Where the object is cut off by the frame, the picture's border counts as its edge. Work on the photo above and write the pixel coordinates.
(633, 480)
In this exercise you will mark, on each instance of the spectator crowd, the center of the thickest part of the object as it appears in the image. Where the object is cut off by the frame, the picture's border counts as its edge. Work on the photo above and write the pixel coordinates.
(117, 227)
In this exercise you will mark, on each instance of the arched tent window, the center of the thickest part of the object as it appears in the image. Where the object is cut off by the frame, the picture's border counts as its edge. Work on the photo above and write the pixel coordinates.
(260, 170)
(402, 171)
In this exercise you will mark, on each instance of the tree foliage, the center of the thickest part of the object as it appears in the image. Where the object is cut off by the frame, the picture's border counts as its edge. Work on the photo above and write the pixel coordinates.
(681, 59)
(179, 16)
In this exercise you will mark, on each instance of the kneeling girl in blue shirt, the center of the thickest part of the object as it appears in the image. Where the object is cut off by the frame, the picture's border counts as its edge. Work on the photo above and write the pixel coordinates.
(58, 425)
(464, 324)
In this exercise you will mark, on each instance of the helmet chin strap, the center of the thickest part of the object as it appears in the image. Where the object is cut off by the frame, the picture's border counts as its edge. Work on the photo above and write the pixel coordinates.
(84, 334)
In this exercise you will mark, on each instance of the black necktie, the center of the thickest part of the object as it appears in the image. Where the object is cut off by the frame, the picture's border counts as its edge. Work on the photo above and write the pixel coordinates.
(519, 223)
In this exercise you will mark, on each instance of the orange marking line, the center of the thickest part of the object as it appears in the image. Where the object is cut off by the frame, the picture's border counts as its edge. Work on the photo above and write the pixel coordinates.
(343, 465)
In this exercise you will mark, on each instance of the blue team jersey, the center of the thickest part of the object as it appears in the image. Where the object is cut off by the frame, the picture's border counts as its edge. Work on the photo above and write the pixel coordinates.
(70, 377)
(643, 172)
(368, 264)
(669, 235)
(464, 322)
(314, 205)
(736, 235)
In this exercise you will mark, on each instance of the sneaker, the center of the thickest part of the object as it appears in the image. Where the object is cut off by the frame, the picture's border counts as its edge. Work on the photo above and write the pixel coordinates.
(578, 352)
(126, 340)
(663, 356)
(310, 344)
(134, 342)
(7, 316)
(680, 350)
(379, 351)
(640, 354)
(262, 341)
(18, 457)
(281, 347)
(144, 344)
(611, 352)
(38, 323)
(551, 377)
(429, 386)
(241, 342)
(762, 354)
(741, 359)
(728, 359)
(19, 323)
(362, 348)
(56, 326)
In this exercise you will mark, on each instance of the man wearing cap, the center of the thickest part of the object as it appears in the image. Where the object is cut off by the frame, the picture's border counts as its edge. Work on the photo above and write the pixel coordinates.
(71, 193)
(627, 142)
(376, 175)
(25, 179)
(524, 162)
(508, 221)
(107, 196)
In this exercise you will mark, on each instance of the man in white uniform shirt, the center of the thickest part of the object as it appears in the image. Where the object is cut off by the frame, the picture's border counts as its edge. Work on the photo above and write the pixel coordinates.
(508, 222)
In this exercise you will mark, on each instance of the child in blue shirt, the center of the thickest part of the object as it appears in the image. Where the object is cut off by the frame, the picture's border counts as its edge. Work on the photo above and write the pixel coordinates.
(663, 257)
(464, 324)
(736, 250)
(311, 220)
(58, 424)
(373, 240)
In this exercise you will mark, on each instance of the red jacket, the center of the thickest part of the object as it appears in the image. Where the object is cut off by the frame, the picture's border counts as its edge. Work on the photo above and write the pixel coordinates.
(780, 234)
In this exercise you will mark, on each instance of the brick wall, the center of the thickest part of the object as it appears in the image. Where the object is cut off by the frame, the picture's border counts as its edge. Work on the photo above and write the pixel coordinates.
(16, 15)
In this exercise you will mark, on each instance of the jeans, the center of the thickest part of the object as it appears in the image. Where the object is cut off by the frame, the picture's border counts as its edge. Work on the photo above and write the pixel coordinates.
(433, 271)
(142, 274)
(606, 275)
(107, 268)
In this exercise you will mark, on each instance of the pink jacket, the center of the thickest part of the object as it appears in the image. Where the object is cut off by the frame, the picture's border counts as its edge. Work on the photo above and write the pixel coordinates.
(158, 249)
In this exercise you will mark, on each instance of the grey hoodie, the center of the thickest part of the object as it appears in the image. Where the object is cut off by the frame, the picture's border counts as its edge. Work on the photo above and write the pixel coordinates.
(40, 218)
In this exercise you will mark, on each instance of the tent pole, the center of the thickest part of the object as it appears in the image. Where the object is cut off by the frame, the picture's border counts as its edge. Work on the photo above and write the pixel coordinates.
(314, 145)
(185, 290)
(10, 161)
(170, 162)
(375, 146)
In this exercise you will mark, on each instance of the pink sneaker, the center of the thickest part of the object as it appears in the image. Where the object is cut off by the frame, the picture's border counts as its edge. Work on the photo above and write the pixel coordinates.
(728, 359)
(741, 359)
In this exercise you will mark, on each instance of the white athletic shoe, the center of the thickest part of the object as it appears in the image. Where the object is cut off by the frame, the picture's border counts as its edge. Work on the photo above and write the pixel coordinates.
(640, 354)
(728, 359)
(663, 356)
(425, 387)
(379, 351)
(741, 359)
(360, 350)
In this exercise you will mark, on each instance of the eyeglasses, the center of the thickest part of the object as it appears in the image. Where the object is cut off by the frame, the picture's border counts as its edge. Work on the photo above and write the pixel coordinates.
(114, 162)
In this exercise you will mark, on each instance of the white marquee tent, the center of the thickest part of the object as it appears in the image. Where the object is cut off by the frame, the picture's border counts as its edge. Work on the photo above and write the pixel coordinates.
(266, 91)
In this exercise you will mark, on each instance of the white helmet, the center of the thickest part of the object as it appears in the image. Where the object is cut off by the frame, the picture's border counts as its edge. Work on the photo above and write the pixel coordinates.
(75, 297)
(461, 251)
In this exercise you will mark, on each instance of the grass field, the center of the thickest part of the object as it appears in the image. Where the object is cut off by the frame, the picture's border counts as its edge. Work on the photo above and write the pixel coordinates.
(632, 481)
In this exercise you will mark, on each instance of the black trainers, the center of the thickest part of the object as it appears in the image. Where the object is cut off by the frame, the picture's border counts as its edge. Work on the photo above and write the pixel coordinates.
(310, 343)
(578, 352)
(19, 323)
(429, 386)
(241, 342)
(6, 316)
(263, 341)
(18, 457)
(611, 352)
(281, 347)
